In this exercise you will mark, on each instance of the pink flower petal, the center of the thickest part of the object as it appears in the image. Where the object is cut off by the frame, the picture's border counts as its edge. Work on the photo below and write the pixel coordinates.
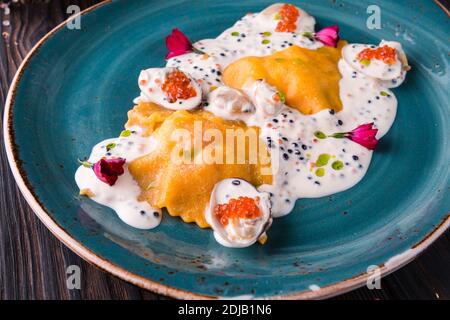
(108, 170)
(329, 35)
(177, 44)
(364, 135)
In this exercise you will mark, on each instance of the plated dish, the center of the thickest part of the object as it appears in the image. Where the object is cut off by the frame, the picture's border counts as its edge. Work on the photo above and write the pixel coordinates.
(235, 129)
(75, 88)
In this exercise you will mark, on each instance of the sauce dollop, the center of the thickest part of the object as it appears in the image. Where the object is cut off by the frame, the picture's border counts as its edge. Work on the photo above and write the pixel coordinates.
(240, 208)
(178, 86)
(288, 18)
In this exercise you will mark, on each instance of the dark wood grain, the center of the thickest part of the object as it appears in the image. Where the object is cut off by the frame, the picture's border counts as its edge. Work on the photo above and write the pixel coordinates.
(33, 262)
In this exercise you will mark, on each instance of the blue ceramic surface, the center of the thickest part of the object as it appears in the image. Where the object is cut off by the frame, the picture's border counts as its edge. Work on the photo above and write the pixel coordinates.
(76, 90)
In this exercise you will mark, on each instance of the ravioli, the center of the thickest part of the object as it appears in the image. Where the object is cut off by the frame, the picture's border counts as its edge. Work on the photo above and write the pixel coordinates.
(173, 177)
(308, 78)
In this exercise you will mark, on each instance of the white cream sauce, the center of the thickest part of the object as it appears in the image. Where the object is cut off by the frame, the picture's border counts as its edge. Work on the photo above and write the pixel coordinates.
(295, 149)
(122, 197)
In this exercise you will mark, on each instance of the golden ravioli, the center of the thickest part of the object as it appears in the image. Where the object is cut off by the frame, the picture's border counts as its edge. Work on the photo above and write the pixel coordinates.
(173, 177)
(308, 78)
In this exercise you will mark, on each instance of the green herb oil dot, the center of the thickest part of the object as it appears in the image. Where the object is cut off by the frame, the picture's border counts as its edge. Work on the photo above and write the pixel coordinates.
(365, 62)
(110, 146)
(323, 159)
(235, 34)
(265, 41)
(337, 165)
(320, 135)
(320, 172)
(125, 133)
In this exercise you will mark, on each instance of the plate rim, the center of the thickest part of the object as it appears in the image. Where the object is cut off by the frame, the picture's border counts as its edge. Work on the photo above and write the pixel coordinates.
(25, 187)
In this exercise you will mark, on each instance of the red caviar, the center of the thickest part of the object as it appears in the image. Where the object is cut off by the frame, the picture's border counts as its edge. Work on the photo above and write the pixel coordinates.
(288, 18)
(178, 86)
(242, 207)
(385, 53)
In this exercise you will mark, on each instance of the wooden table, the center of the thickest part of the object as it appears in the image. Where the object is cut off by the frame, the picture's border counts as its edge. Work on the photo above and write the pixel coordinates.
(33, 262)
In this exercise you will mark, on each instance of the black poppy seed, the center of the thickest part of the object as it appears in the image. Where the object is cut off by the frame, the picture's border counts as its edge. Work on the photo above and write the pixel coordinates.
(369, 101)
(347, 163)
(301, 158)
(284, 138)
(283, 46)
(355, 158)
(180, 102)
(236, 182)
(195, 67)
(291, 121)
(377, 97)
(238, 40)
(343, 150)
(304, 146)
(287, 200)
(285, 183)
(317, 182)
(289, 150)
(331, 111)
(297, 152)
(108, 153)
(285, 156)
(213, 70)
(309, 178)
(156, 214)
(295, 144)
(340, 122)
(142, 212)
(222, 54)
(360, 166)
(275, 120)
(219, 73)
(271, 194)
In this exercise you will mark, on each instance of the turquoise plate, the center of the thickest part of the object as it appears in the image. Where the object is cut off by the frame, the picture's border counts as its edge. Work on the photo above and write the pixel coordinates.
(76, 86)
